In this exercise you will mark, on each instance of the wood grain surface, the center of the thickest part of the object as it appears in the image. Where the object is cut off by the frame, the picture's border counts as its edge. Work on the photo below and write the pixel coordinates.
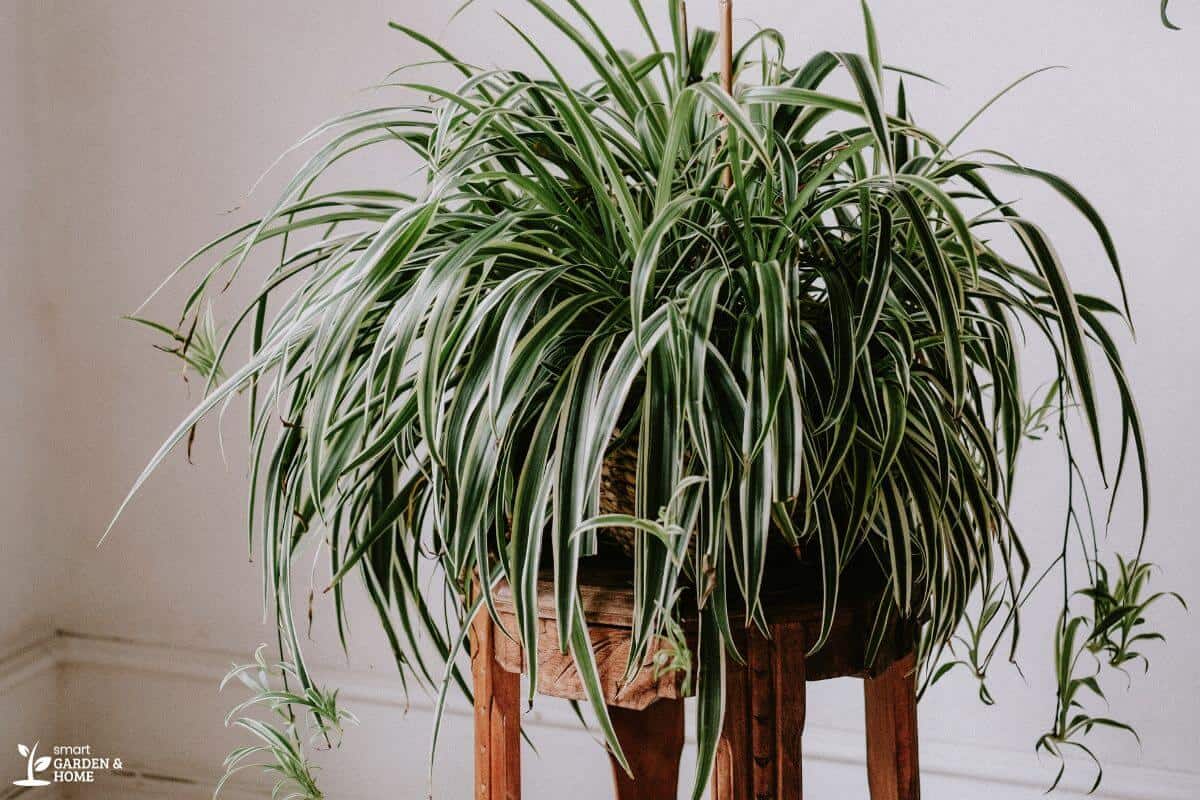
(497, 717)
(893, 772)
(652, 740)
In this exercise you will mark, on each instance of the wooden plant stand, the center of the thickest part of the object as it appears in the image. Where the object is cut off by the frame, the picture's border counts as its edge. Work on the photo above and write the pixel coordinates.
(759, 757)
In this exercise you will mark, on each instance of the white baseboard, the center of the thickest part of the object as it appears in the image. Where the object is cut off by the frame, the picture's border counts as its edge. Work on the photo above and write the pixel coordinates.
(990, 771)
(28, 659)
(154, 786)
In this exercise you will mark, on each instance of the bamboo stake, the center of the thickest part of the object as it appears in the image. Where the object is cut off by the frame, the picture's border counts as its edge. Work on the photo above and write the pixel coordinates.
(687, 42)
(725, 15)
(725, 10)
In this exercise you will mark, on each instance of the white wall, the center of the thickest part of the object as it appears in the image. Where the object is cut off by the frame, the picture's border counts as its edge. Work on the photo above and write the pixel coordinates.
(17, 307)
(26, 560)
(144, 121)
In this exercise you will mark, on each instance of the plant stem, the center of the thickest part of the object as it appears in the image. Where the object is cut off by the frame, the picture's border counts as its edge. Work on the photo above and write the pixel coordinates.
(725, 16)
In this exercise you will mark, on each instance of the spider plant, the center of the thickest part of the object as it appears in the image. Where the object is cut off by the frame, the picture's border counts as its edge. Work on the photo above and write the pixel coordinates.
(299, 719)
(805, 311)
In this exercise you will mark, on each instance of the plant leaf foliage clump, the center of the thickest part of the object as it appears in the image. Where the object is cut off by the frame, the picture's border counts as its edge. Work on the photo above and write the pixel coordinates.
(791, 300)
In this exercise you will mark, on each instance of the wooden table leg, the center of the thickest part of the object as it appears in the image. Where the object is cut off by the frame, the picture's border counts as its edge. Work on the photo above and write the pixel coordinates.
(759, 755)
(497, 717)
(652, 740)
(891, 707)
